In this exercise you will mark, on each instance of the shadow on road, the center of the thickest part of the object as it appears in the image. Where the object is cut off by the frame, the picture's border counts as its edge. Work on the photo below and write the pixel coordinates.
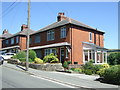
(21, 67)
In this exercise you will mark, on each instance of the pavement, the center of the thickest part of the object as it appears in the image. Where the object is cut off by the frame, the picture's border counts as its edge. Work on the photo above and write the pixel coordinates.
(74, 80)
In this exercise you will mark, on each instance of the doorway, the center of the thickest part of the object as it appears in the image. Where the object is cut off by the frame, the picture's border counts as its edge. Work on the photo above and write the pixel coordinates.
(62, 55)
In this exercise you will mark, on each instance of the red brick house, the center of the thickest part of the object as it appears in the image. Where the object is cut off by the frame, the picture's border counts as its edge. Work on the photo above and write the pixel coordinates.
(70, 40)
(16, 42)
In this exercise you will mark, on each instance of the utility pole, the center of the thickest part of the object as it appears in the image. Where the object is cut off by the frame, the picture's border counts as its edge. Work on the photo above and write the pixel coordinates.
(28, 24)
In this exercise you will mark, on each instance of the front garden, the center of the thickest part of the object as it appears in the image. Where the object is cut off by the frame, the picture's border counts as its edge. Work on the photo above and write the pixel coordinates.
(109, 73)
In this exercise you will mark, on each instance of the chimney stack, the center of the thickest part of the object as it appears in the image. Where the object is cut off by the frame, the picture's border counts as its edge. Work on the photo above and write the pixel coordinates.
(61, 16)
(5, 31)
(24, 27)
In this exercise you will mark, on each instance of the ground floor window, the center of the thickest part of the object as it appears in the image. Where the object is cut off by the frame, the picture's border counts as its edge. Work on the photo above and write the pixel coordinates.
(50, 50)
(96, 55)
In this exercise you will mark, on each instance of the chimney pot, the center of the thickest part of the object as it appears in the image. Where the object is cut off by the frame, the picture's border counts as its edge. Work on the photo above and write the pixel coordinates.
(5, 31)
(61, 16)
(24, 26)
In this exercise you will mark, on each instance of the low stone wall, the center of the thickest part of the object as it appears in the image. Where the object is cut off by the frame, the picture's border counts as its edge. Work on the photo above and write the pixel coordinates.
(46, 66)
(75, 66)
(13, 61)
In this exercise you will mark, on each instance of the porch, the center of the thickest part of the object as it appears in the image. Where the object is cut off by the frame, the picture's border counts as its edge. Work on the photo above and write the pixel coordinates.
(93, 52)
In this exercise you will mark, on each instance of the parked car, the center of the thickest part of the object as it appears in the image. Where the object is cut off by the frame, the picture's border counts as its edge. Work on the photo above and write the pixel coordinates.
(7, 55)
(1, 60)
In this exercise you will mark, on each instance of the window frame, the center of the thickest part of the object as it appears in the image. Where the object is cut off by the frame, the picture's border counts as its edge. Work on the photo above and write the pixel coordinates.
(37, 36)
(63, 32)
(90, 36)
(12, 40)
(17, 39)
(50, 35)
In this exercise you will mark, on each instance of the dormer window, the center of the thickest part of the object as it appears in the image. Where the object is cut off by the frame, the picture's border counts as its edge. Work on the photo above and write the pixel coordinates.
(90, 36)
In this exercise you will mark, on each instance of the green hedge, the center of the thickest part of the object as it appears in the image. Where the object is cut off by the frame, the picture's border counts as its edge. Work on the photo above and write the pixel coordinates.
(114, 58)
(112, 75)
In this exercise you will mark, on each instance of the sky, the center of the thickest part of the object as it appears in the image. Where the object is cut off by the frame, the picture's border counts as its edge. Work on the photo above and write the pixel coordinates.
(100, 15)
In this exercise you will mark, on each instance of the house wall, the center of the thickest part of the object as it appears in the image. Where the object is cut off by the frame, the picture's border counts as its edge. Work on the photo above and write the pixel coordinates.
(0, 43)
(44, 41)
(23, 43)
(80, 35)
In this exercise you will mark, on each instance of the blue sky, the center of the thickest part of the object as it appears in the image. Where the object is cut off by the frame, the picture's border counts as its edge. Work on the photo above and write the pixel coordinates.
(101, 15)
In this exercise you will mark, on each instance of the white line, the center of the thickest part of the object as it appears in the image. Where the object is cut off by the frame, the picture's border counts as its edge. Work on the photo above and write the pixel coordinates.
(53, 81)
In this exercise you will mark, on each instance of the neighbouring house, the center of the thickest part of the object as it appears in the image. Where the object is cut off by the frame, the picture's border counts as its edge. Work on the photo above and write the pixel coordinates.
(4, 35)
(16, 42)
(70, 40)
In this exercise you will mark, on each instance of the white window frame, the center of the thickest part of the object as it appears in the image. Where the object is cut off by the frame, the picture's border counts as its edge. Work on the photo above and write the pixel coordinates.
(63, 32)
(12, 40)
(37, 36)
(50, 50)
(66, 53)
(50, 35)
(90, 36)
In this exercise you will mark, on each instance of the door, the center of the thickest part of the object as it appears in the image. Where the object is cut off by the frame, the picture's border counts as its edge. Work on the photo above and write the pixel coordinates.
(62, 55)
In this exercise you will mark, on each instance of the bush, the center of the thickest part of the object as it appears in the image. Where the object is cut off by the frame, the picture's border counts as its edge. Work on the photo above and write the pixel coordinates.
(72, 69)
(101, 72)
(22, 59)
(114, 58)
(51, 58)
(105, 65)
(88, 71)
(65, 64)
(112, 75)
(32, 55)
(38, 61)
(96, 68)
(19, 55)
(78, 70)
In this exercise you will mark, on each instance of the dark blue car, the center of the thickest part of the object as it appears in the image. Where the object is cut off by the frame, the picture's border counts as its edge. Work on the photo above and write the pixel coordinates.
(1, 60)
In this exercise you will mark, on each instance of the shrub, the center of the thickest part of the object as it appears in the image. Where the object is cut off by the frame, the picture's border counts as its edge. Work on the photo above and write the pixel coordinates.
(114, 58)
(38, 61)
(72, 69)
(51, 58)
(22, 59)
(105, 65)
(97, 68)
(32, 55)
(88, 65)
(101, 72)
(78, 70)
(19, 55)
(65, 64)
(112, 75)
(69, 62)
(88, 71)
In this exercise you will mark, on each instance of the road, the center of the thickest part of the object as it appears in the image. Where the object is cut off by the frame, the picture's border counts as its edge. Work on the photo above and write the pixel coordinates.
(16, 79)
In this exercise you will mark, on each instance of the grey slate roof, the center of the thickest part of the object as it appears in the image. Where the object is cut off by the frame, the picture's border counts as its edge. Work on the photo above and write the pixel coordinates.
(6, 35)
(23, 32)
(66, 21)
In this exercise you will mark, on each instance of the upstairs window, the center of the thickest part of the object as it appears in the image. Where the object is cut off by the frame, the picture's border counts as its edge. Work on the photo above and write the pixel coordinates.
(7, 42)
(63, 32)
(30, 40)
(17, 39)
(12, 40)
(37, 38)
(50, 35)
(90, 36)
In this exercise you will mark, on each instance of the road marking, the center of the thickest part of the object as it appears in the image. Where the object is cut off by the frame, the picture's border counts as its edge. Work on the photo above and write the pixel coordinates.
(52, 81)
